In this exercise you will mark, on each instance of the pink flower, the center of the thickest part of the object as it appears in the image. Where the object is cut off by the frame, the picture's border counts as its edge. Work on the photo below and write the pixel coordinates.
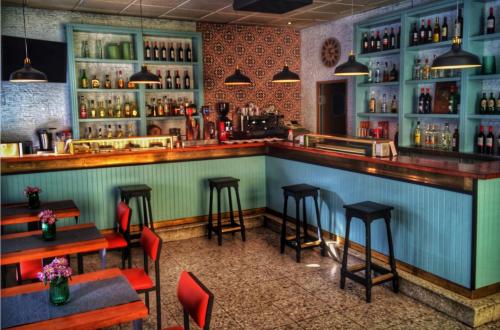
(32, 190)
(55, 271)
(48, 217)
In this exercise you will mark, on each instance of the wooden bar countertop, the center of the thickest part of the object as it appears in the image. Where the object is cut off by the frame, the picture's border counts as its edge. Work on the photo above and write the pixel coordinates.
(431, 170)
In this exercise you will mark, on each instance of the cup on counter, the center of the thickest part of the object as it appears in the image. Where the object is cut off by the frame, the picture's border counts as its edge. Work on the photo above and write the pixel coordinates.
(489, 65)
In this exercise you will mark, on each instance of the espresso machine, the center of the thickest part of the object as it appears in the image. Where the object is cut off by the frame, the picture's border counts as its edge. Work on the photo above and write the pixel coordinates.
(45, 137)
(225, 125)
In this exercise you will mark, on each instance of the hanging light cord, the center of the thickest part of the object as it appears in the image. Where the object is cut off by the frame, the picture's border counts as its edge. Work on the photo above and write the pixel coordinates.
(25, 38)
(140, 6)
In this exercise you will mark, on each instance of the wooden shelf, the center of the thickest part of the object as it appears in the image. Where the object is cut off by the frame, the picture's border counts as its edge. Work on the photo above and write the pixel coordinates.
(429, 46)
(389, 83)
(432, 115)
(104, 61)
(381, 53)
(431, 81)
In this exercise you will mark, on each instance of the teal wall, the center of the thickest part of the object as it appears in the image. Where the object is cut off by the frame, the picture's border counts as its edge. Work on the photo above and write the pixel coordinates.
(431, 227)
(179, 189)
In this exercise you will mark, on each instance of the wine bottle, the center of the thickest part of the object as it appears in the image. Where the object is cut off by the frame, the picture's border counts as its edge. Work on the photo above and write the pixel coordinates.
(177, 80)
(489, 141)
(421, 101)
(168, 80)
(483, 105)
(160, 85)
(452, 101)
(189, 53)
(428, 101)
(436, 37)
(163, 52)
(171, 52)
(187, 80)
(490, 22)
(422, 39)
(455, 140)
(147, 51)
(491, 104)
(414, 35)
(392, 39)
(378, 42)
(156, 52)
(480, 141)
(393, 75)
(180, 53)
(365, 43)
(459, 24)
(444, 30)
(385, 40)
(498, 104)
(429, 32)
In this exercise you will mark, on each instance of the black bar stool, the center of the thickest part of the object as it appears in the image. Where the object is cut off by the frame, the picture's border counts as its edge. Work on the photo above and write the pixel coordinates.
(232, 227)
(368, 212)
(300, 192)
(139, 191)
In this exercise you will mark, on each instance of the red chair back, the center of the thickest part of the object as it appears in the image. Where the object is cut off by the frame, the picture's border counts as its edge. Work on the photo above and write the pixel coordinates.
(196, 299)
(123, 214)
(151, 243)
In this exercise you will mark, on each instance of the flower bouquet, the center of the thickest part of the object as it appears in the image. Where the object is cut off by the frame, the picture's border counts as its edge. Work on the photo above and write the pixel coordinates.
(48, 220)
(33, 197)
(57, 274)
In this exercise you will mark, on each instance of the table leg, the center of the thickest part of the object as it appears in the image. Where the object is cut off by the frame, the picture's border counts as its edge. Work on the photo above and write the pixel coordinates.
(137, 324)
(103, 258)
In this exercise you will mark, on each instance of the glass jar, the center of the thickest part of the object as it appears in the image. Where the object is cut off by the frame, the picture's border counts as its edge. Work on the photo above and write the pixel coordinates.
(33, 201)
(48, 231)
(59, 291)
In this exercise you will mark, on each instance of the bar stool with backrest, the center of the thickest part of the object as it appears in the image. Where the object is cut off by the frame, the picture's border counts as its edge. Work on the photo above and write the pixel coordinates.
(139, 277)
(119, 239)
(368, 212)
(233, 226)
(196, 300)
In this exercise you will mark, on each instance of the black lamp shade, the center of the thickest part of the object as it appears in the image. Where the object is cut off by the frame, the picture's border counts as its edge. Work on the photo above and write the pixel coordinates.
(351, 68)
(456, 58)
(237, 79)
(27, 74)
(144, 77)
(286, 76)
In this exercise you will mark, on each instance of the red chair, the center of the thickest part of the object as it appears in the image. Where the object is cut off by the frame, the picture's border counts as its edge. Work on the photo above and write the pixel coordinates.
(120, 238)
(28, 270)
(197, 301)
(139, 277)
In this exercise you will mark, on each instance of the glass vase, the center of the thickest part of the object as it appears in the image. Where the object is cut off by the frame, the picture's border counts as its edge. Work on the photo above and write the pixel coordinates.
(48, 231)
(59, 291)
(33, 201)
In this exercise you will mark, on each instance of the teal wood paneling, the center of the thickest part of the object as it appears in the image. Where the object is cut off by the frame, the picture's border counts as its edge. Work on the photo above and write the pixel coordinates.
(431, 227)
(179, 189)
(488, 233)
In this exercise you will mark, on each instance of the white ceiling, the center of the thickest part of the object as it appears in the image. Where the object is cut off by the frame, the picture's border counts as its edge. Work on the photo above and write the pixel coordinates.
(219, 11)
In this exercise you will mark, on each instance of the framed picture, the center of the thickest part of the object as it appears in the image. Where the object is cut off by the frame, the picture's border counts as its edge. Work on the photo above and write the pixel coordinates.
(442, 95)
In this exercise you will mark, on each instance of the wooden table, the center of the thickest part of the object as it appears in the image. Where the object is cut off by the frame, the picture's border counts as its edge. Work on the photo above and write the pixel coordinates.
(20, 213)
(106, 317)
(77, 246)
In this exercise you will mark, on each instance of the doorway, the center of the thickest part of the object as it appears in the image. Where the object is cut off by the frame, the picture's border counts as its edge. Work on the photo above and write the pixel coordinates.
(332, 107)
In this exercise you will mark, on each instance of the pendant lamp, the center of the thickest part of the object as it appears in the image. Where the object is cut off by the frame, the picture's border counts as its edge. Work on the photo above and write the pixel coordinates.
(27, 73)
(352, 67)
(456, 58)
(286, 76)
(144, 76)
(237, 79)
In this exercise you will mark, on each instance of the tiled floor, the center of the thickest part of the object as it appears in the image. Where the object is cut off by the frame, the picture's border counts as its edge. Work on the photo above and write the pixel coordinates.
(256, 287)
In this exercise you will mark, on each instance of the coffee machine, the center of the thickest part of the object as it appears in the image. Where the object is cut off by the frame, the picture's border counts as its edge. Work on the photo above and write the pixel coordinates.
(45, 137)
(225, 125)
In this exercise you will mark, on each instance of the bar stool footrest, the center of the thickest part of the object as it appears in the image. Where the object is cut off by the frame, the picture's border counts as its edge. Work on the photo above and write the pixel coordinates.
(356, 268)
(310, 243)
(227, 228)
(382, 278)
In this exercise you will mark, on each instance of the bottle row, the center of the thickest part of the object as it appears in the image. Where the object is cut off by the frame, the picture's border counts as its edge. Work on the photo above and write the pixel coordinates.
(112, 50)
(489, 106)
(375, 43)
(451, 97)
(119, 82)
(382, 104)
(154, 51)
(110, 131)
(438, 33)
(434, 138)
(106, 109)
(379, 132)
(485, 142)
(423, 71)
(379, 73)
(172, 82)
(168, 107)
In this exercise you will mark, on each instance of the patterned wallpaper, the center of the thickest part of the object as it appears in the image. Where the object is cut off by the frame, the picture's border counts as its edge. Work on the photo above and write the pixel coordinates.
(260, 52)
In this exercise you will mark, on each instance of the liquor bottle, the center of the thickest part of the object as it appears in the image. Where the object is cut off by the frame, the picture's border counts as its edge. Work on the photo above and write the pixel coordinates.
(378, 77)
(120, 83)
(373, 46)
(428, 101)
(101, 110)
(369, 77)
(99, 135)
(398, 38)
(433, 137)
(109, 132)
(378, 42)
(394, 104)
(429, 32)
(427, 136)
(459, 24)
(385, 40)
(187, 80)
(127, 112)
(177, 80)
(446, 138)
(110, 110)
(163, 52)
(490, 22)
(98, 49)
(160, 108)
(436, 37)
(426, 71)
(455, 140)
(118, 107)
(171, 52)
(189, 54)
(107, 82)
(372, 104)
(489, 141)
(168, 80)
(498, 104)
(393, 75)
(93, 110)
(119, 132)
(491, 104)
(89, 133)
(421, 101)
(452, 101)
(147, 52)
(422, 34)
(483, 105)
(154, 108)
(385, 75)
(417, 70)
(95, 83)
(84, 82)
(392, 39)
(156, 52)
(160, 85)
(383, 107)
(414, 35)
(365, 43)
(444, 30)
(480, 141)
(83, 108)
(180, 53)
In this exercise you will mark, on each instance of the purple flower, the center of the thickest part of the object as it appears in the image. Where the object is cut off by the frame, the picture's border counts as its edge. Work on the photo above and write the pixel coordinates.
(48, 217)
(55, 271)
(32, 190)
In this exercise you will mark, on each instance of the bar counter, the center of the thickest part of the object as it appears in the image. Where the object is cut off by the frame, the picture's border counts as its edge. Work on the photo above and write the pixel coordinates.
(445, 219)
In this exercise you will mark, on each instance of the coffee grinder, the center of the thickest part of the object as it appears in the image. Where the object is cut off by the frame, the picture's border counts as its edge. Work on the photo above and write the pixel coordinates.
(225, 125)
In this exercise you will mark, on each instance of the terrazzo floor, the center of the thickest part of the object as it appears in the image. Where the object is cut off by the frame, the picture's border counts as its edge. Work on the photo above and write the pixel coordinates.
(255, 287)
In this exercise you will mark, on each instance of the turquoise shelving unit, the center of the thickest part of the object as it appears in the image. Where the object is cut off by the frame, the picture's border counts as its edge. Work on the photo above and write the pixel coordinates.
(470, 82)
(78, 32)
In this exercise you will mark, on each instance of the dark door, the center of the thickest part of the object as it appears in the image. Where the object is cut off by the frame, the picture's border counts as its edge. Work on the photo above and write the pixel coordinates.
(332, 107)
